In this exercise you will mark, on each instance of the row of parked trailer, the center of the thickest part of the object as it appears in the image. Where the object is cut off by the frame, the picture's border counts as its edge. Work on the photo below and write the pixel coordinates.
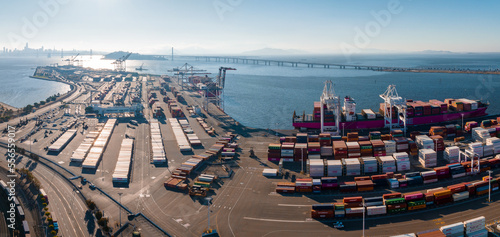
(95, 154)
(191, 135)
(18, 208)
(122, 170)
(158, 151)
(472, 228)
(62, 141)
(392, 203)
(182, 141)
(81, 152)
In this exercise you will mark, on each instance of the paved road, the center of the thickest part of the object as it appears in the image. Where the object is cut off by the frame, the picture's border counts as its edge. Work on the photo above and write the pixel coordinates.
(68, 207)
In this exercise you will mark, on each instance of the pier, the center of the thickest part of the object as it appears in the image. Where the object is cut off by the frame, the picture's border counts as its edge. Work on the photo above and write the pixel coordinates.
(271, 62)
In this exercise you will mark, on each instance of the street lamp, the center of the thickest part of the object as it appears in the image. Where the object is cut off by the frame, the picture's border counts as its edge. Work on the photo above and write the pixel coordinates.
(489, 185)
(209, 201)
(364, 208)
(120, 209)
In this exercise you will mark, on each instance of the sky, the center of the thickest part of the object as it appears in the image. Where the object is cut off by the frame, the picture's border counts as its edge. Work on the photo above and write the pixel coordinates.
(236, 26)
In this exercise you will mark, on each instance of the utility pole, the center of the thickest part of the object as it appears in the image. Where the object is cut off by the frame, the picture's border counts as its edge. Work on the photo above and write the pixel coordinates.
(364, 208)
(120, 208)
(489, 186)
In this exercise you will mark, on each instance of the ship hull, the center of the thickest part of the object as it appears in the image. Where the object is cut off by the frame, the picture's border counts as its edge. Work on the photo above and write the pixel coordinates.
(412, 121)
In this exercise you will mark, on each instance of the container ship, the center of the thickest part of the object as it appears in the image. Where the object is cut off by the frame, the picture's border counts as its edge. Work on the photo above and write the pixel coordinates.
(417, 113)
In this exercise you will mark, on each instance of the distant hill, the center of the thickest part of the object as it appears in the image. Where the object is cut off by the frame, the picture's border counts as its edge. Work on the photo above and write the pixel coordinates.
(134, 56)
(273, 51)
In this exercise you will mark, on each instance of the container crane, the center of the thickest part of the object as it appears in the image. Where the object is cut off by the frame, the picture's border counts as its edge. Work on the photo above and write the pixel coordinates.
(185, 70)
(71, 61)
(120, 63)
(332, 103)
(393, 101)
(219, 87)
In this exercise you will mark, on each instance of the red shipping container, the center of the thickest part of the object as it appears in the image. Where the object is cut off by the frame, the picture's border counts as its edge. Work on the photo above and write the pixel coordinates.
(391, 195)
(352, 199)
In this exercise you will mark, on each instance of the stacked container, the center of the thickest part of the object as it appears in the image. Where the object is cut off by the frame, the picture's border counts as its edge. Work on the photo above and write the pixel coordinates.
(394, 203)
(424, 142)
(325, 139)
(402, 161)
(476, 227)
(495, 142)
(415, 200)
(376, 210)
(303, 185)
(453, 230)
(287, 149)
(369, 165)
(438, 142)
(319, 211)
(387, 164)
(316, 168)
(488, 150)
(366, 148)
(375, 135)
(327, 152)
(352, 137)
(339, 210)
(456, 170)
(122, 169)
(353, 206)
(476, 147)
(390, 147)
(274, 152)
(352, 166)
(374, 201)
(329, 183)
(333, 168)
(393, 183)
(378, 148)
(452, 154)
(427, 157)
(353, 150)
(429, 177)
(401, 144)
(339, 150)
(364, 185)
(480, 134)
(300, 152)
(314, 150)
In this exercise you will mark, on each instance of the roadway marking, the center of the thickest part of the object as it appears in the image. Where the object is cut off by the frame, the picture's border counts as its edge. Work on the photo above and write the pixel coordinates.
(276, 220)
(293, 205)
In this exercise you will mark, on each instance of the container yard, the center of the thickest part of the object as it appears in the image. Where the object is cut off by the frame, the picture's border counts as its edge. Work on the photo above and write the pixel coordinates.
(95, 154)
(122, 169)
(180, 136)
(157, 148)
(62, 141)
(81, 152)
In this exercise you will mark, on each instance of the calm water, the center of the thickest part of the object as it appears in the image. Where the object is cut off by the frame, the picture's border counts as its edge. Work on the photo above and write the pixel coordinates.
(266, 96)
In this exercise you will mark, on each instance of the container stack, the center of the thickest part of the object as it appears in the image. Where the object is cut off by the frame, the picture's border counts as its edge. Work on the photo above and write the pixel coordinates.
(327, 152)
(395, 203)
(364, 185)
(366, 148)
(456, 170)
(374, 201)
(300, 152)
(303, 185)
(369, 165)
(328, 183)
(427, 157)
(325, 139)
(376, 210)
(415, 200)
(424, 142)
(378, 148)
(320, 211)
(476, 227)
(438, 142)
(314, 150)
(347, 187)
(375, 135)
(122, 169)
(393, 183)
(402, 161)
(480, 134)
(333, 168)
(452, 154)
(316, 168)
(443, 197)
(442, 172)
(287, 149)
(352, 137)
(401, 144)
(429, 176)
(353, 206)
(301, 137)
(317, 186)
(495, 141)
(352, 166)
(339, 210)
(353, 150)
(476, 147)
(390, 147)
(387, 164)
(274, 152)
(339, 150)
(453, 230)
(488, 150)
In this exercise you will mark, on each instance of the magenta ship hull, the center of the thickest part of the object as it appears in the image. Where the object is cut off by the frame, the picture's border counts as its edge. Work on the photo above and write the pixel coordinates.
(411, 121)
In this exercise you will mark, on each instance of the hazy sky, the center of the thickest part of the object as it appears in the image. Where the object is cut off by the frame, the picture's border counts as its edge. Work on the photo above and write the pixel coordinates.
(234, 26)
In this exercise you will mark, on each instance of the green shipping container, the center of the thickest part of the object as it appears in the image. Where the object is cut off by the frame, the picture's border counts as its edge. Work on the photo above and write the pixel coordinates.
(416, 203)
(396, 210)
(394, 201)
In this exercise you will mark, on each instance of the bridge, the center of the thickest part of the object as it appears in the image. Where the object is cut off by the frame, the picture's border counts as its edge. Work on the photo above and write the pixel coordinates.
(269, 62)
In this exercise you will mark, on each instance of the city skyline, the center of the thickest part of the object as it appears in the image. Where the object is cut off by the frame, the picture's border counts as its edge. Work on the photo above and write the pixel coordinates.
(235, 27)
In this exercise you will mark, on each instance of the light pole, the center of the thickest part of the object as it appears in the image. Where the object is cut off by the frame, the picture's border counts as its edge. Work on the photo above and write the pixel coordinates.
(364, 208)
(462, 122)
(120, 209)
(209, 201)
(489, 185)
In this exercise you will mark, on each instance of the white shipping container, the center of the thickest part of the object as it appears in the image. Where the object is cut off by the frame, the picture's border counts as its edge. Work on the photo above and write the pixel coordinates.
(479, 233)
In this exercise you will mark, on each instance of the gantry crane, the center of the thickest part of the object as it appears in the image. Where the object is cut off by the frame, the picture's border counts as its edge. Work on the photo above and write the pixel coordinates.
(120, 63)
(332, 103)
(185, 70)
(393, 101)
(215, 89)
(71, 61)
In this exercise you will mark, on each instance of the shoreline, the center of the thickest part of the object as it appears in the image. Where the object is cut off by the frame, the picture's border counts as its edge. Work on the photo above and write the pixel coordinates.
(443, 71)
